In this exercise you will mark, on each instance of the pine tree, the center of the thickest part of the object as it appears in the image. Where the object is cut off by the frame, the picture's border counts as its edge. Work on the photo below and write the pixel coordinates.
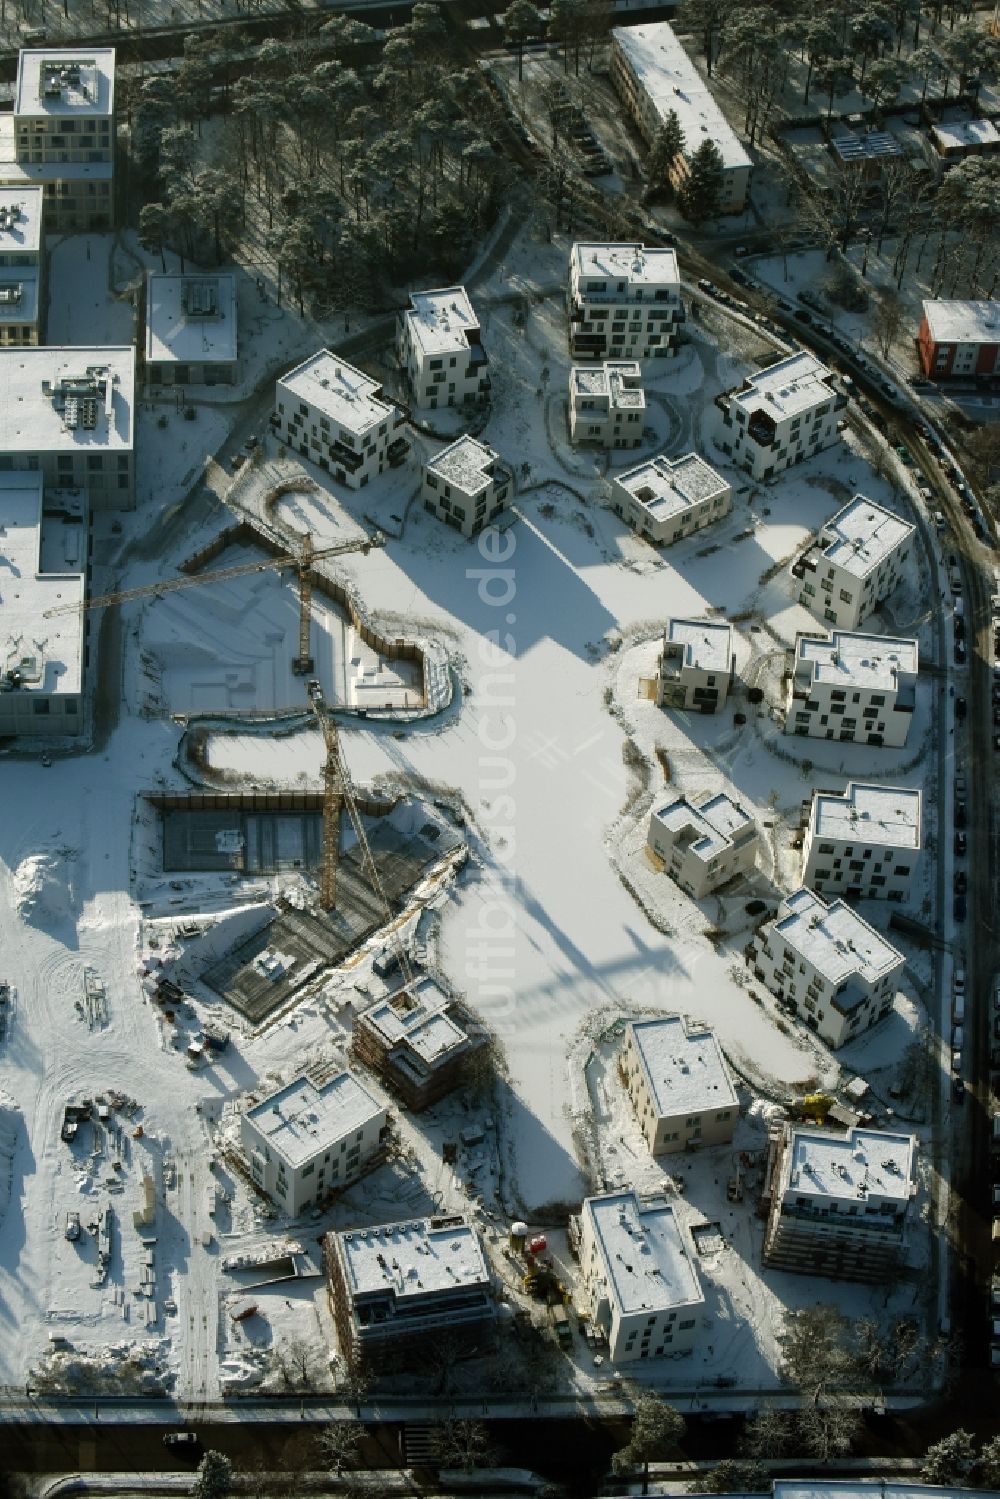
(215, 1474)
(668, 143)
(522, 21)
(950, 1461)
(656, 1428)
(701, 191)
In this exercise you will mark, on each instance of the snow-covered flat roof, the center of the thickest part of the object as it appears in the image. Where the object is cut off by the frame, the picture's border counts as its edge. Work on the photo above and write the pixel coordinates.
(708, 644)
(834, 938)
(64, 399)
(415, 1259)
(788, 388)
(851, 659)
(646, 1264)
(47, 652)
(616, 379)
(65, 81)
(857, 1167)
(667, 487)
(685, 1069)
(18, 295)
(639, 265)
(21, 220)
(959, 322)
(190, 318)
(861, 536)
(335, 388)
(671, 80)
(417, 1016)
(951, 135)
(888, 816)
(713, 825)
(301, 1119)
(439, 320)
(465, 463)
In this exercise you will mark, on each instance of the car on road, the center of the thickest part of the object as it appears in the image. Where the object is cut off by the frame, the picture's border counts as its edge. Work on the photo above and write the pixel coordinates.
(960, 882)
(959, 627)
(185, 1440)
(961, 844)
(958, 1090)
(960, 908)
(961, 708)
(959, 652)
(961, 815)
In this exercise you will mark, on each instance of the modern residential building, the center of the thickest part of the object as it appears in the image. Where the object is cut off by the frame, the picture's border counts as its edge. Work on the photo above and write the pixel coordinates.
(191, 329)
(703, 846)
(467, 485)
(333, 414)
(855, 562)
(865, 150)
(22, 266)
(638, 1279)
(305, 1142)
(782, 416)
(956, 139)
(863, 842)
(418, 1040)
(607, 405)
(860, 688)
(43, 564)
(439, 345)
(397, 1287)
(838, 1205)
(696, 666)
(69, 415)
(61, 135)
(679, 1085)
(624, 302)
(666, 499)
(960, 340)
(826, 964)
(654, 75)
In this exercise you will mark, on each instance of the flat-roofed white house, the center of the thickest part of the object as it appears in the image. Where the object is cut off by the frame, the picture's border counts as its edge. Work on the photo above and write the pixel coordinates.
(834, 970)
(61, 135)
(191, 329)
(703, 845)
(954, 139)
(855, 563)
(851, 686)
(43, 563)
(439, 345)
(839, 1205)
(305, 1142)
(782, 416)
(607, 404)
(960, 338)
(863, 842)
(624, 301)
(696, 666)
(467, 485)
(333, 415)
(22, 265)
(69, 413)
(679, 1084)
(397, 1287)
(666, 499)
(654, 75)
(638, 1278)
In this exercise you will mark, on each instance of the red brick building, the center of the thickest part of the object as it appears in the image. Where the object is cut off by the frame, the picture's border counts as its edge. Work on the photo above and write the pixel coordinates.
(960, 340)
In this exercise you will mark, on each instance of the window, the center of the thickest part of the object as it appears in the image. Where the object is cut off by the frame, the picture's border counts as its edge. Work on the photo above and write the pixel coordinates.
(308, 1170)
(686, 1325)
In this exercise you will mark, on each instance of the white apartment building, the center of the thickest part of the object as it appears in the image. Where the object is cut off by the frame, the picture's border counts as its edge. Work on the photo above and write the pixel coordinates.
(864, 842)
(855, 562)
(333, 415)
(782, 416)
(666, 499)
(398, 1287)
(607, 405)
(43, 563)
(191, 329)
(305, 1142)
(467, 485)
(624, 302)
(439, 345)
(638, 1277)
(679, 1084)
(22, 265)
(851, 686)
(838, 1205)
(828, 965)
(654, 75)
(69, 415)
(703, 846)
(696, 665)
(61, 135)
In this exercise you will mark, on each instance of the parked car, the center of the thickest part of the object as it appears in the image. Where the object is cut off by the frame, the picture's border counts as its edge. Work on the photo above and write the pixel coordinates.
(960, 882)
(741, 250)
(959, 652)
(802, 316)
(961, 815)
(958, 1090)
(961, 844)
(996, 1027)
(961, 708)
(740, 277)
(183, 1439)
(960, 908)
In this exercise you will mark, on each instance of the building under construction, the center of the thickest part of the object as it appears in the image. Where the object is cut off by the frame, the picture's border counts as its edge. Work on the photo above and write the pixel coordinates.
(419, 1041)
